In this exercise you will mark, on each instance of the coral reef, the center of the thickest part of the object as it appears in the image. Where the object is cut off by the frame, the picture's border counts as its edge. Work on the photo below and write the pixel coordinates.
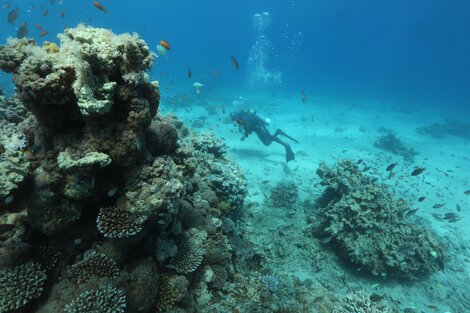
(284, 195)
(360, 302)
(441, 130)
(20, 285)
(191, 251)
(366, 225)
(172, 290)
(390, 142)
(105, 300)
(106, 192)
(117, 222)
(94, 264)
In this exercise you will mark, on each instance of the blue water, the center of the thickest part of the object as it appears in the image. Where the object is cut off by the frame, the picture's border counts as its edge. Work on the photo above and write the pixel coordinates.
(400, 50)
(336, 75)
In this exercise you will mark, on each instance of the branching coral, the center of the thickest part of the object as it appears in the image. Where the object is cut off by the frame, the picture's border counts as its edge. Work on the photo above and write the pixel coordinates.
(104, 300)
(360, 302)
(94, 264)
(191, 251)
(118, 223)
(20, 285)
(172, 290)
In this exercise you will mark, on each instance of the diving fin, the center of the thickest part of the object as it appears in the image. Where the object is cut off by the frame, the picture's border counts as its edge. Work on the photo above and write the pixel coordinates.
(290, 156)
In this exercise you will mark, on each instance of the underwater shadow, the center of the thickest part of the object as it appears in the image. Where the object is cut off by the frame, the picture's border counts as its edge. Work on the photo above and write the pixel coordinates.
(259, 154)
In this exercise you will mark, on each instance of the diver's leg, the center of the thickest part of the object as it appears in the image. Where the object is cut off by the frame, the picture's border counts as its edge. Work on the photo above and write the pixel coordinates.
(289, 153)
(264, 135)
(281, 132)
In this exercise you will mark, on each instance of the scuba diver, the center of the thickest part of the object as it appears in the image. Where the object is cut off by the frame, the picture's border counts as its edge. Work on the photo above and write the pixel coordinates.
(248, 121)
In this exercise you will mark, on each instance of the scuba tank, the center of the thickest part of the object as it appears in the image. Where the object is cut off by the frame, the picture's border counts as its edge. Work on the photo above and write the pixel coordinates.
(266, 121)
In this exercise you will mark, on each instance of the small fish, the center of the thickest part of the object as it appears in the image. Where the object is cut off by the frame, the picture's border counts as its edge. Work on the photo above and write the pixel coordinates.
(62, 14)
(189, 74)
(161, 50)
(22, 31)
(421, 199)
(437, 216)
(216, 73)
(6, 5)
(432, 306)
(99, 6)
(43, 33)
(38, 26)
(411, 212)
(450, 216)
(326, 240)
(418, 171)
(45, 13)
(13, 15)
(165, 44)
(359, 161)
(375, 297)
(303, 97)
(467, 192)
(366, 168)
(235, 64)
(458, 208)
(438, 206)
(391, 167)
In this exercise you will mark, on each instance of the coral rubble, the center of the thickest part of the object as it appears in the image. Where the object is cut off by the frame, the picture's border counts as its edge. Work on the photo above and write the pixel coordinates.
(367, 226)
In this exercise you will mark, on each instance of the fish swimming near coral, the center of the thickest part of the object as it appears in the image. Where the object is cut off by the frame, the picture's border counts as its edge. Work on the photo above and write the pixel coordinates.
(421, 199)
(235, 64)
(418, 171)
(13, 15)
(467, 192)
(438, 206)
(391, 167)
(99, 6)
(165, 44)
(22, 31)
(161, 50)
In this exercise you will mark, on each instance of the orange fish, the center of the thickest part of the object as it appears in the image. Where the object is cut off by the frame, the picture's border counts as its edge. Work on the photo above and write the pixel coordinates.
(99, 6)
(38, 26)
(43, 33)
(165, 44)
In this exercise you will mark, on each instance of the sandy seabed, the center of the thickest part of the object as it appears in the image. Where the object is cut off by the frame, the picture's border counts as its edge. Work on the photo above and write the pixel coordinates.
(329, 130)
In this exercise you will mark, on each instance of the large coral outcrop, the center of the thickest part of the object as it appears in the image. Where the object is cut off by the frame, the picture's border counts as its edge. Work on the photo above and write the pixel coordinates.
(118, 199)
(367, 225)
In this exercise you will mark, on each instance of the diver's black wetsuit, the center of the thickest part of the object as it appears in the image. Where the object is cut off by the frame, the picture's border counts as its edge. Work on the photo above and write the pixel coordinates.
(249, 121)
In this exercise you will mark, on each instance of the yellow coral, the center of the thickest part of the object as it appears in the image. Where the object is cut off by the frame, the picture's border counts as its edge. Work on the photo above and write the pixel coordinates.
(50, 47)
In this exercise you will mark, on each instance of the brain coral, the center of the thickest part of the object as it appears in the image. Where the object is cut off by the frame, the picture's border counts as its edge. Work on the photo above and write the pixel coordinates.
(20, 285)
(368, 228)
